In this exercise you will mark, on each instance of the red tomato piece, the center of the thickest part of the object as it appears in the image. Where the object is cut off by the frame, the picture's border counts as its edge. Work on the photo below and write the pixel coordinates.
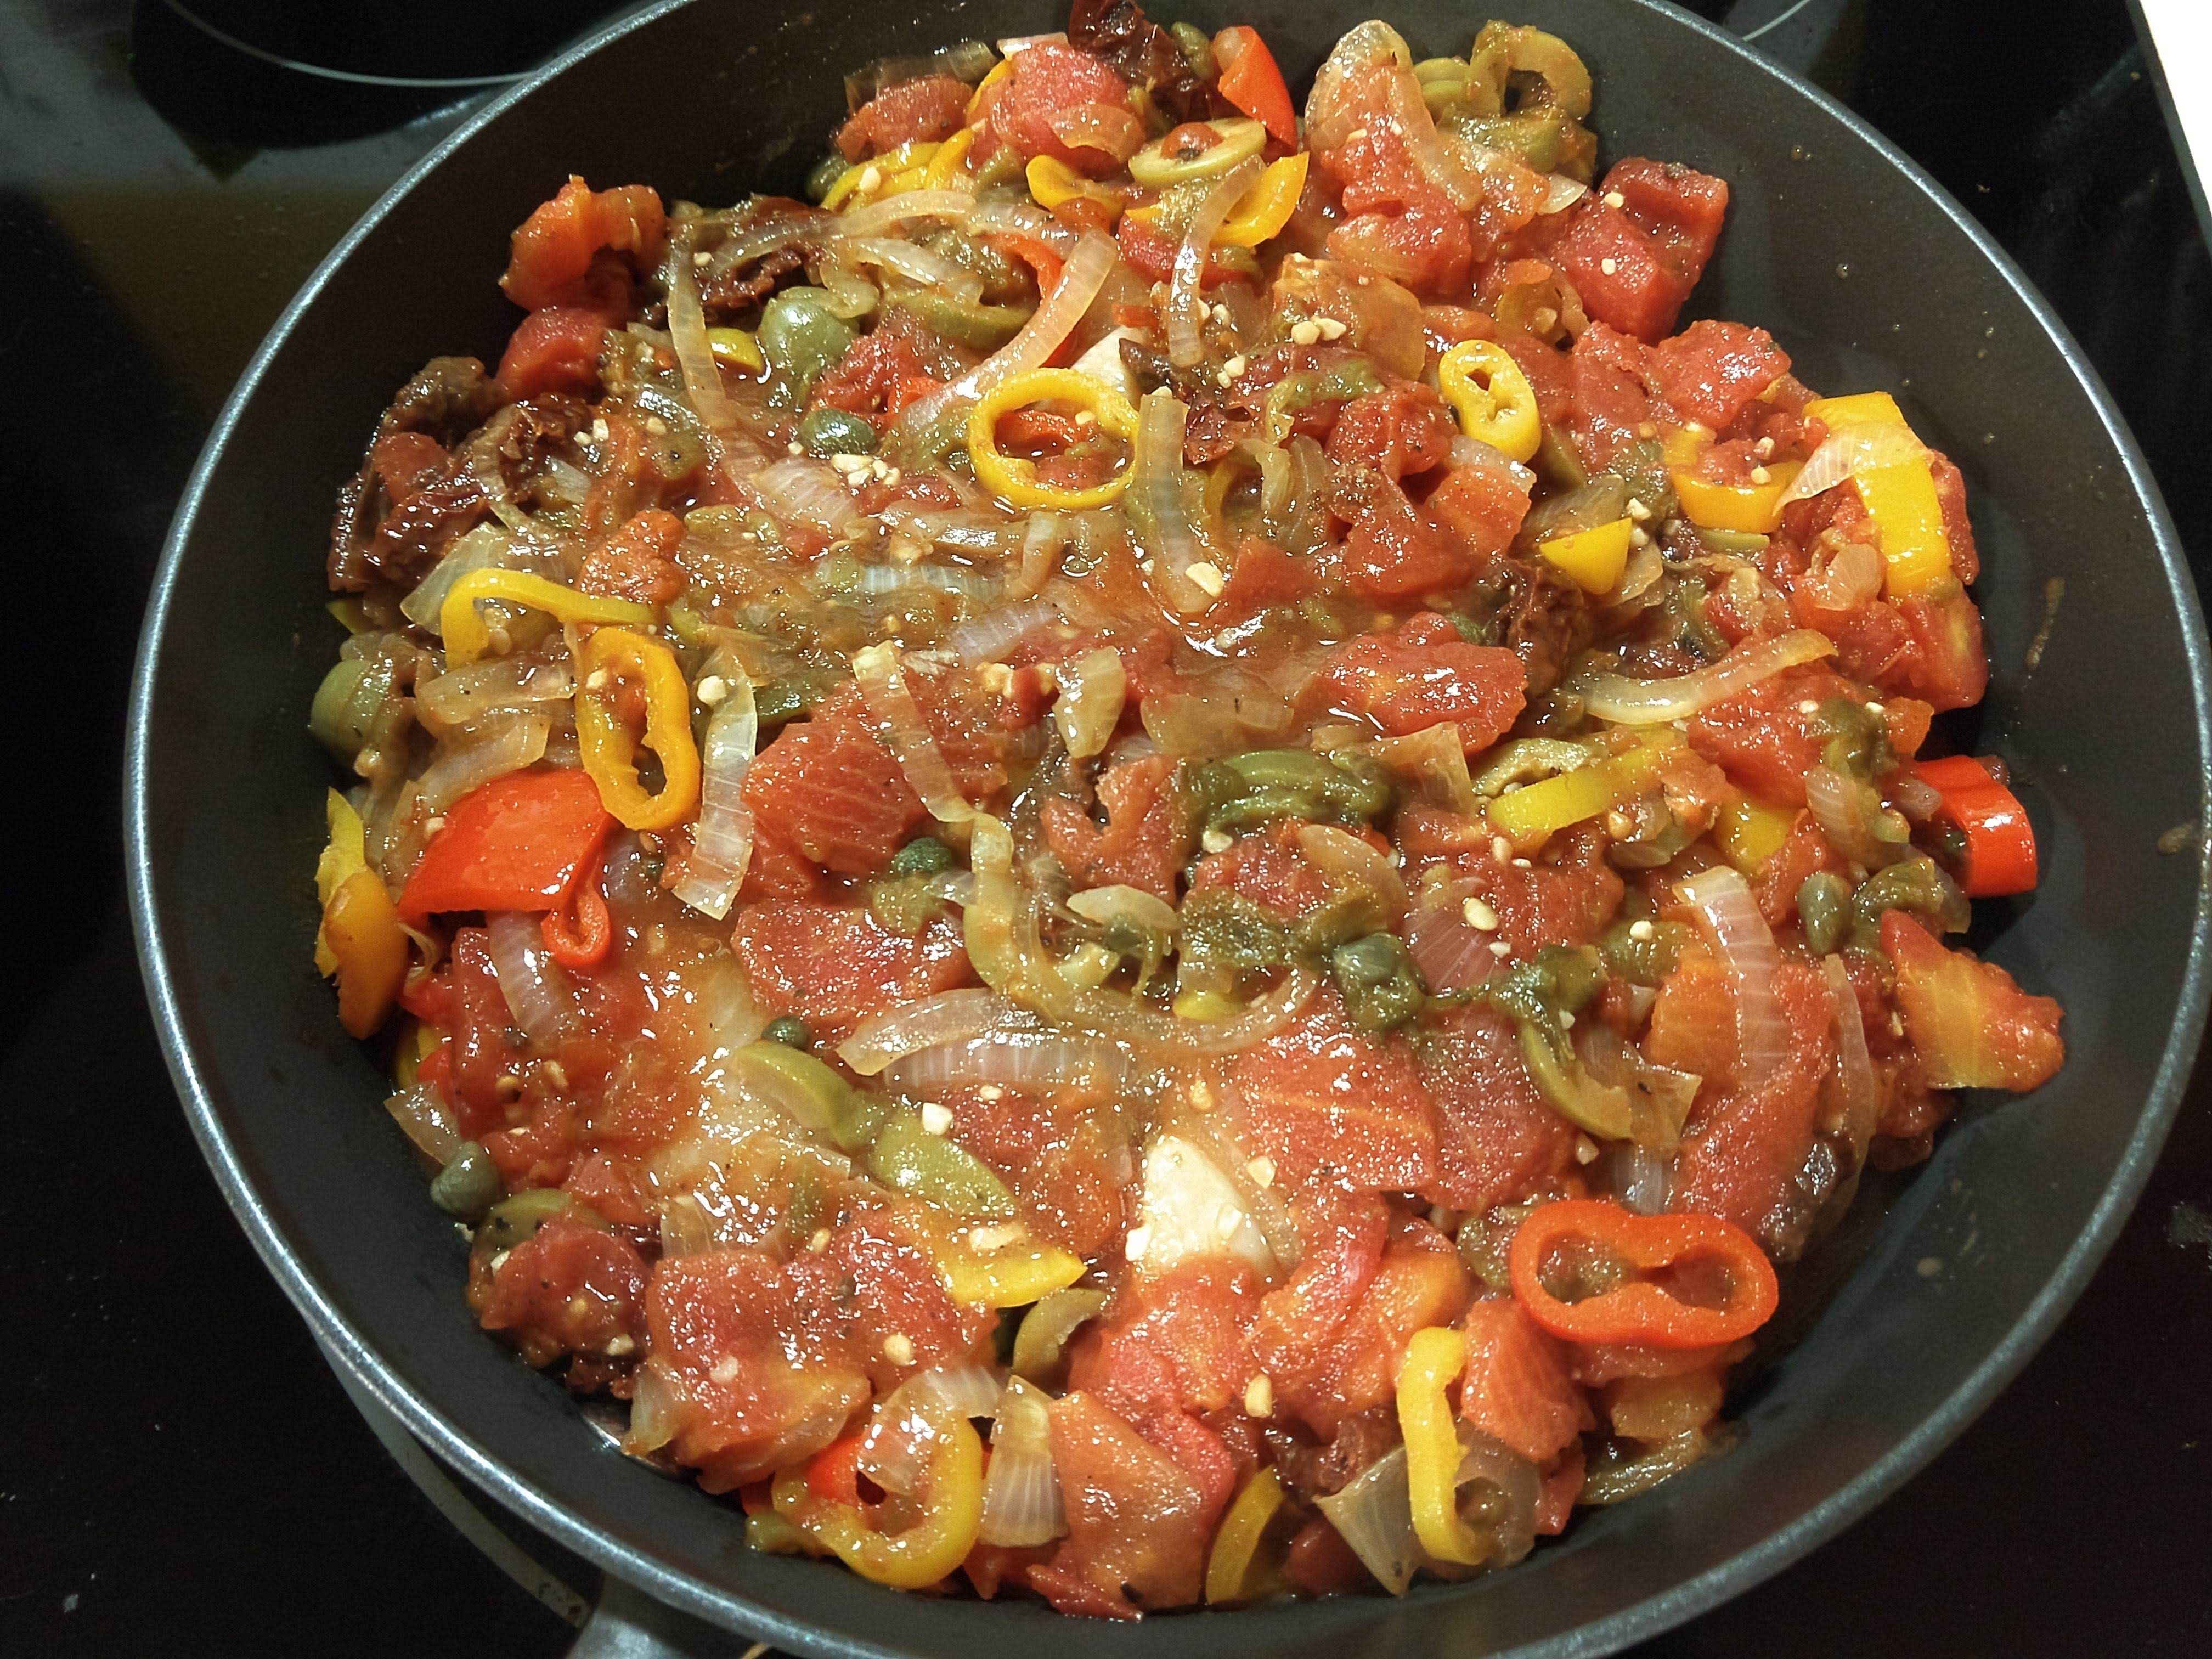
(1175, 1342)
(1635, 264)
(922, 110)
(638, 562)
(1269, 868)
(1394, 550)
(480, 1055)
(1516, 1388)
(518, 843)
(1611, 404)
(1048, 80)
(1764, 738)
(870, 377)
(1497, 1140)
(406, 461)
(1397, 431)
(1483, 507)
(568, 1288)
(835, 794)
(555, 350)
(1971, 1024)
(1146, 838)
(1710, 370)
(833, 964)
(1405, 687)
(1329, 1105)
(1137, 1525)
(554, 249)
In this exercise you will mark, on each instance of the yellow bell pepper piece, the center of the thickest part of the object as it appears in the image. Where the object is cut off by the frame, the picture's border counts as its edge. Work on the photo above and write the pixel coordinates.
(1901, 498)
(953, 1515)
(1494, 403)
(1054, 184)
(735, 348)
(609, 746)
(1754, 509)
(1234, 1571)
(903, 168)
(361, 941)
(1203, 1004)
(1263, 211)
(1528, 816)
(947, 164)
(1011, 1278)
(1681, 446)
(1434, 1359)
(999, 71)
(350, 614)
(1750, 832)
(467, 636)
(1014, 479)
(1594, 558)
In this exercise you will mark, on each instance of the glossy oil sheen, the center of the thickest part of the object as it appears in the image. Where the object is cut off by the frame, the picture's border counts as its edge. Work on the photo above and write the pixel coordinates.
(1936, 1290)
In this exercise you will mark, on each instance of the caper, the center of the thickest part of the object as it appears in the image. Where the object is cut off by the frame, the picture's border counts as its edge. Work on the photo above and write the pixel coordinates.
(800, 336)
(517, 1217)
(825, 172)
(790, 1031)
(925, 856)
(468, 1184)
(1824, 902)
(1381, 987)
(834, 432)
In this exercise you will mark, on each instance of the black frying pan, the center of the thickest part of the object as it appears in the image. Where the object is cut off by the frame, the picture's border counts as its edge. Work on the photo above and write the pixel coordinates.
(1934, 1293)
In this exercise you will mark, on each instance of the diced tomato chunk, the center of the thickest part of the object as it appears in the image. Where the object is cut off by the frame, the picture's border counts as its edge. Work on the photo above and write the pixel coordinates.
(923, 110)
(1971, 1024)
(1137, 1524)
(568, 1288)
(1405, 687)
(1146, 835)
(1329, 1105)
(835, 794)
(834, 964)
(1483, 506)
(1177, 1342)
(1710, 370)
(1497, 1140)
(1394, 549)
(1048, 79)
(638, 562)
(1516, 1388)
(1636, 263)
(1765, 738)
(554, 261)
(555, 350)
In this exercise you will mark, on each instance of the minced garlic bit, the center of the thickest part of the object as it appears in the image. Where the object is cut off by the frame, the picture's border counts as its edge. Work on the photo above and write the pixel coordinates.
(1206, 577)
(898, 1348)
(1500, 948)
(1764, 449)
(1876, 709)
(1331, 328)
(655, 425)
(1637, 510)
(726, 1370)
(1610, 267)
(621, 1347)
(508, 1087)
(1262, 1171)
(555, 1073)
(990, 1091)
(1808, 706)
(1234, 367)
(1217, 841)
(596, 680)
(871, 179)
(431, 826)
(1138, 1241)
(1220, 313)
(997, 678)
(599, 431)
(1479, 915)
(936, 1118)
(1641, 930)
(1522, 864)
(1639, 537)
(820, 1241)
(1566, 1019)
(702, 260)
(1614, 199)
(1228, 1221)
(1585, 1150)
(1305, 331)
(711, 690)
(1201, 1094)
(1759, 475)
(1500, 848)
(1260, 1397)
(984, 1240)
(1085, 417)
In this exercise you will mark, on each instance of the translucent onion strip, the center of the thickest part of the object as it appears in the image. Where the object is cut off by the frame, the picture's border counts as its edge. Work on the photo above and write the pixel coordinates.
(1624, 701)
(1858, 1096)
(503, 743)
(1730, 915)
(899, 721)
(1012, 1059)
(695, 354)
(1186, 297)
(535, 990)
(808, 493)
(1022, 1503)
(918, 265)
(948, 1016)
(1160, 503)
(874, 220)
(722, 844)
(1856, 449)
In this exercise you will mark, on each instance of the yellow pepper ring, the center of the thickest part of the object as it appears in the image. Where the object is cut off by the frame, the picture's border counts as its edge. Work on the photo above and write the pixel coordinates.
(1594, 558)
(932, 1547)
(946, 164)
(467, 636)
(609, 746)
(1054, 184)
(1434, 1359)
(1755, 509)
(1264, 210)
(1234, 1571)
(1491, 396)
(1014, 479)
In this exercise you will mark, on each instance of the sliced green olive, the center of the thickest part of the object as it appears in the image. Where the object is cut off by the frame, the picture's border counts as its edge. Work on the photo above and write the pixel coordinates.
(1174, 160)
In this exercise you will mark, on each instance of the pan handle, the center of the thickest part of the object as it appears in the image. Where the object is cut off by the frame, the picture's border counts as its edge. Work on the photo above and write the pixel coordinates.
(628, 1624)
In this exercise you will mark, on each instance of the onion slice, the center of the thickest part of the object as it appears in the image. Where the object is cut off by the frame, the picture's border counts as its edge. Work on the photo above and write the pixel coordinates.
(695, 354)
(1723, 902)
(1856, 449)
(809, 493)
(1022, 1503)
(948, 1016)
(1624, 701)
(1165, 501)
(1858, 1096)
(1185, 310)
(534, 989)
(988, 637)
(1374, 1514)
(722, 843)
(899, 721)
(875, 219)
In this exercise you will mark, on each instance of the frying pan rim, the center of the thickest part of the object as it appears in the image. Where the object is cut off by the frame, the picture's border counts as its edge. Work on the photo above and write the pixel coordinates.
(1640, 1621)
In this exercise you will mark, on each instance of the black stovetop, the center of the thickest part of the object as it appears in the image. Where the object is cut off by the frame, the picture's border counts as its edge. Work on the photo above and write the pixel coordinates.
(183, 1474)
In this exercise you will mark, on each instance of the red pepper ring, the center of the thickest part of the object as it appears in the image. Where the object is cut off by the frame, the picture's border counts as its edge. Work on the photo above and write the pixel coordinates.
(1999, 856)
(1640, 1311)
(580, 934)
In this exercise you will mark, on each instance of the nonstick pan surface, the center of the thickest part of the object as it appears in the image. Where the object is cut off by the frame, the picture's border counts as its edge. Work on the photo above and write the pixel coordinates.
(1931, 1296)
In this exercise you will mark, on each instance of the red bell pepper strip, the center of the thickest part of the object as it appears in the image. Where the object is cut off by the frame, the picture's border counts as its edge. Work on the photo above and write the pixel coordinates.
(581, 935)
(1251, 81)
(1998, 855)
(1716, 1262)
(517, 843)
